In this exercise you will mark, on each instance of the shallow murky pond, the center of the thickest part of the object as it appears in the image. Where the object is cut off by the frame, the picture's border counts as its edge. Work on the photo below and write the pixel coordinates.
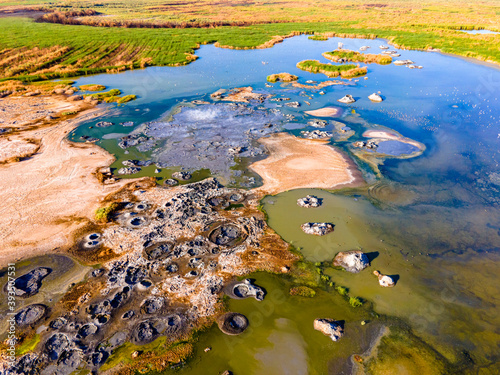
(432, 221)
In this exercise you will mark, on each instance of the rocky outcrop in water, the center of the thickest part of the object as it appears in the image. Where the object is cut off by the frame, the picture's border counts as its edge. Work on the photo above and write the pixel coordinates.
(317, 123)
(375, 97)
(184, 176)
(329, 327)
(129, 170)
(347, 99)
(29, 284)
(317, 229)
(316, 134)
(384, 280)
(309, 201)
(352, 261)
(246, 289)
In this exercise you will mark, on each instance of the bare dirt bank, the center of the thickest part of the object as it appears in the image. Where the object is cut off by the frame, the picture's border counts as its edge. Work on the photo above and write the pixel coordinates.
(48, 196)
(296, 163)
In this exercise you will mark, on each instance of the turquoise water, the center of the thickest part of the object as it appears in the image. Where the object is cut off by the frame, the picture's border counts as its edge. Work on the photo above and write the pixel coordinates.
(479, 32)
(433, 219)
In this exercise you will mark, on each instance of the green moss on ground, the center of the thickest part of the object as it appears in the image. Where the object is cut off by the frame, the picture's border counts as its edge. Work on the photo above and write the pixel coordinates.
(103, 214)
(344, 71)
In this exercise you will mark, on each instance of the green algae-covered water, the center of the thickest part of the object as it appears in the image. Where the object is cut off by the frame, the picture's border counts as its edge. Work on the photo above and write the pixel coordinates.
(280, 338)
(432, 221)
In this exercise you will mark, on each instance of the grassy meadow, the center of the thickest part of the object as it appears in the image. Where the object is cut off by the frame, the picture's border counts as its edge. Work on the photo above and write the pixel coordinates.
(36, 51)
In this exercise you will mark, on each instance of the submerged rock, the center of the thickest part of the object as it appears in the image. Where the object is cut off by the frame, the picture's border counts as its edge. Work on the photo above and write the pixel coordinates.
(103, 124)
(317, 229)
(384, 280)
(352, 261)
(309, 201)
(329, 327)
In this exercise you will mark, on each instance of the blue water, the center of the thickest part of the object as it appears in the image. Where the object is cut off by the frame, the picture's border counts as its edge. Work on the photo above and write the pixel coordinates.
(436, 215)
(451, 105)
(474, 32)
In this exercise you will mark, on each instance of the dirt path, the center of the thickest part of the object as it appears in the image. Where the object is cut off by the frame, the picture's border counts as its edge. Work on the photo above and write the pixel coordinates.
(50, 195)
(296, 163)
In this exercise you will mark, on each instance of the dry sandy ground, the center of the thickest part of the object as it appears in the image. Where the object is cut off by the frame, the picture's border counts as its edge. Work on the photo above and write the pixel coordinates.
(20, 111)
(296, 163)
(15, 148)
(50, 195)
(325, 112)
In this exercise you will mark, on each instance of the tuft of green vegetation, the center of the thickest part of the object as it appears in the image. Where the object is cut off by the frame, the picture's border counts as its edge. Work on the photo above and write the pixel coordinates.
(69, 113)
(28, 345)
(354, 56)
(345, 71)
(342, 290)
(302, 291)
(104, 214)
(126, 98)
(111, 94)
(283, 77)
(318, 37)
(324, 278)
(92, 87)
(355, 301)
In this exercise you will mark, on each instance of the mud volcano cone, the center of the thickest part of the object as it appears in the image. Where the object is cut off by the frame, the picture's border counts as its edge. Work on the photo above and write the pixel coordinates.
(232, 323)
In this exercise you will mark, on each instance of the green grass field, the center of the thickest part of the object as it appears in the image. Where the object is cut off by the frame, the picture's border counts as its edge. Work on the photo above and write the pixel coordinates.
(35, 51)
